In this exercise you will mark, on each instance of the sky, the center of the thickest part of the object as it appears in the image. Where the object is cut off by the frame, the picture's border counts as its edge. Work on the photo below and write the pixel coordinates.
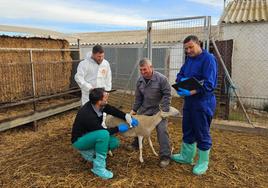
(69, 16)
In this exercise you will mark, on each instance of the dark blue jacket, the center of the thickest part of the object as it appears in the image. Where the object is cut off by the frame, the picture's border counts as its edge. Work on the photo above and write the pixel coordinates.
(202, 67)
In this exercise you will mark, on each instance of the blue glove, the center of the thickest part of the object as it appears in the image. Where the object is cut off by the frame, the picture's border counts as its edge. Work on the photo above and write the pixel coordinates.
(185, 78)
(122, 127)
(134, 122)
(183, 92)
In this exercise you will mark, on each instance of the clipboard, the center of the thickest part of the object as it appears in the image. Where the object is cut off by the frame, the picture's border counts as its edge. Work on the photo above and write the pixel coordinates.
(189, 84)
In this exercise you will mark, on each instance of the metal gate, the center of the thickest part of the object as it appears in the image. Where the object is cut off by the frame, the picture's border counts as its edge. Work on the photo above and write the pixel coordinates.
(169, 34)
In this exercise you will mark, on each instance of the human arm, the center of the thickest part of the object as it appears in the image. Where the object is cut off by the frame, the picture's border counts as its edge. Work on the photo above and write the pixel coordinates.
(118, 113)
(108, 83)
(80, 76)
(209, 73)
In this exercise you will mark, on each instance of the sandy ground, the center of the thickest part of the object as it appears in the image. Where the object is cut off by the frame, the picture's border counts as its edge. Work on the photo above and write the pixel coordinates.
(45, 158)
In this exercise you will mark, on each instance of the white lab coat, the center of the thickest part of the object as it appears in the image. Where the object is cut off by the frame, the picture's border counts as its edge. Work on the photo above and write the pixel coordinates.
(92, 75)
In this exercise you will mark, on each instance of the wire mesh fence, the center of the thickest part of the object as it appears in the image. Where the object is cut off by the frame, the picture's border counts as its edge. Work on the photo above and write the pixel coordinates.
(248, 68)
(35, 80)
(167, 55)
(245, 58)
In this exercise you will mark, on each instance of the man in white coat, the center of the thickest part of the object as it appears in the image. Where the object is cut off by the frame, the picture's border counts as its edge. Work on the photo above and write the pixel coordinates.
(93, 72)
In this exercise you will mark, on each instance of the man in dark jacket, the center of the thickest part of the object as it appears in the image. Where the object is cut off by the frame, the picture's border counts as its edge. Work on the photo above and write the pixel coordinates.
(90, 138)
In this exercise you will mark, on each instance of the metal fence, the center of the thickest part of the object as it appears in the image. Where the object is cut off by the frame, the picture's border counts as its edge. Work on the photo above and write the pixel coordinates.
(247, 64)
(35, 80)
(167, 54)
(248, 68)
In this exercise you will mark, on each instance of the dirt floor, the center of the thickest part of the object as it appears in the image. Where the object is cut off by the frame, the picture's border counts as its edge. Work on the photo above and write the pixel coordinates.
(45, 158)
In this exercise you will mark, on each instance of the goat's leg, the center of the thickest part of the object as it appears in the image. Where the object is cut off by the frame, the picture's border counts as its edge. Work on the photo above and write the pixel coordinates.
(110, 153)
(151, 145)
(140, 138)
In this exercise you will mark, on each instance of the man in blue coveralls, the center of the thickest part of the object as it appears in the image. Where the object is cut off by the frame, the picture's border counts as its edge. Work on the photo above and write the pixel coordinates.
(199, 105)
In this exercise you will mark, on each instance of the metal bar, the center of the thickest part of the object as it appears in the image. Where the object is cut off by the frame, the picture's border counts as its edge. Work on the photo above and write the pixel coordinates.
(37, 49)
(78, 48)
(38, 99)
(37, 116)
(205, 31)
(209, 32)
(33, 79)
(51, 62)
(178, 19)
(149, 40)
(132, 75)
(230, 81)
(16, 117)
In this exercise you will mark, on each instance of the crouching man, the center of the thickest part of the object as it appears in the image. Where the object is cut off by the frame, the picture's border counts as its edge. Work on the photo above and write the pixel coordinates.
(90, 138)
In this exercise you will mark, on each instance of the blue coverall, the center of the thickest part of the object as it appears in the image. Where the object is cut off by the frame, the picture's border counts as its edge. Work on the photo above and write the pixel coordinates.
(198, 109)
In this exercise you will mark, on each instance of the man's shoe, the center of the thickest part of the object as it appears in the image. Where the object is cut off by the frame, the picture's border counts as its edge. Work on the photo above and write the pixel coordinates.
(164, 162)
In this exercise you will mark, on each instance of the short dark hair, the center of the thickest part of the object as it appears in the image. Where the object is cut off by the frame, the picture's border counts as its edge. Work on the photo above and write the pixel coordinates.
(96, 94)
(191, 38)
(97, 49)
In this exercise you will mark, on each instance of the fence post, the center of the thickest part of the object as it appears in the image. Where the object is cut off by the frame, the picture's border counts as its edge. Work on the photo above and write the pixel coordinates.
(35, 127)
(230, 80)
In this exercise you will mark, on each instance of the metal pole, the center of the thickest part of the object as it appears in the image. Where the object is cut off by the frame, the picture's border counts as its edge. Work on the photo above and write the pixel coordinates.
(205, 33)
(78, 47)
(208, 31)
(33, 78)
(33, 86)
(149, 40)
(230, 80)
(132, 73)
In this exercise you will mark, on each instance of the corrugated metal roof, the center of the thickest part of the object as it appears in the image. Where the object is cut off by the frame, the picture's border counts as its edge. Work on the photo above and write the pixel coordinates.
(20, 31)
(238, 11)
(139, 36)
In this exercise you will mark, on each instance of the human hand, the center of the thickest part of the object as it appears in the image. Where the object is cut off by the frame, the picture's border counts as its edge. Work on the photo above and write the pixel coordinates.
(183, 92)
(131, 121)
(134, 122)
(132, 112)
(122, 127)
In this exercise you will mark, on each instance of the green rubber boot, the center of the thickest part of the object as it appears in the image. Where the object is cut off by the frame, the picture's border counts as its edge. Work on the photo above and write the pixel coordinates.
(88, 155)
(186, 155)
(99, 167)
(202, 163)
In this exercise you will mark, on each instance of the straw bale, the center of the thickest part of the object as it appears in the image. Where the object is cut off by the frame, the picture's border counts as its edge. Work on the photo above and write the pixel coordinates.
(52, 70)
(46, 158)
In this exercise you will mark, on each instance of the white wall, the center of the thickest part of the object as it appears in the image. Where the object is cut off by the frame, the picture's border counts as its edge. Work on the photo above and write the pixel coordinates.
(250, 57)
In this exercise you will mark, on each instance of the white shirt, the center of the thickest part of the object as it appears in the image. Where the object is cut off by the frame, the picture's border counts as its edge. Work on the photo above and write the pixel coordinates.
(92, 75)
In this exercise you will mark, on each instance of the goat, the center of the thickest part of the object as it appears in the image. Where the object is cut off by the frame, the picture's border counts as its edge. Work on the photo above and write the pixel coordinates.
(146, 125)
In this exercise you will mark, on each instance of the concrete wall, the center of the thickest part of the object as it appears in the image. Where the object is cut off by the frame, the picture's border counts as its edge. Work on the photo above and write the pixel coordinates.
(250, 57)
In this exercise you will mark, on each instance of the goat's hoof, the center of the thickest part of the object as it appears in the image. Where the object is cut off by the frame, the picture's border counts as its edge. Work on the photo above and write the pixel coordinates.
(110, 153)
(141, 160)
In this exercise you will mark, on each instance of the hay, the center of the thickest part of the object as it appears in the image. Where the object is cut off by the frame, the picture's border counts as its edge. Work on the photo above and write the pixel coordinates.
(46, 159)
(52, 69)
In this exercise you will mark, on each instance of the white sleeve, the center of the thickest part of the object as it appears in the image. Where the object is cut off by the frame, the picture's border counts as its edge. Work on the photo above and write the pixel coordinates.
(80, 77)
(108, 78)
